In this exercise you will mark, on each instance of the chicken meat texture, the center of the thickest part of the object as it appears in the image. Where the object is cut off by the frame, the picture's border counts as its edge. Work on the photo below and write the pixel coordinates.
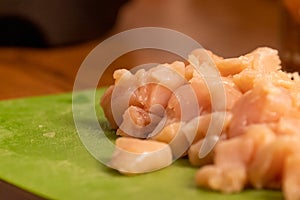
(259, 143)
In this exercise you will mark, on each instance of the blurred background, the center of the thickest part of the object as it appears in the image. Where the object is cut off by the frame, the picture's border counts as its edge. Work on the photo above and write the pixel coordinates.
(43, 43)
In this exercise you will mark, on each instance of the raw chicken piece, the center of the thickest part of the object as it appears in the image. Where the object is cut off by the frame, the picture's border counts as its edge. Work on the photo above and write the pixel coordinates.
(203, 94)
(137, 123)
(260, 63)
(170, 76)
(189, 71)
(245, 79)
(134, 156)
(248, 77)
(228, 181)
(288, 126)
(116, 100)
(122, 74)
(149, 90)
(181, 135)
(149, 96)
(179, 67)
(232, 157)
(267, 168)
(194, 158)
(291, 177)
(265, 103)
(201, 90)
(231, 66)
(197, 128)
(183, 104)
(264, 59)
(172, 134)
(168, 133)
(232, 93)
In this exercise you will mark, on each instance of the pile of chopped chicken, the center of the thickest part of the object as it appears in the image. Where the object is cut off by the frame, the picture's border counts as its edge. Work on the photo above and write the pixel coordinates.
(259, 144)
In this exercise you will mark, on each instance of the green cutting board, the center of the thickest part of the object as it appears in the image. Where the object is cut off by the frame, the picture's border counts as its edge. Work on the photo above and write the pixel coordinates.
(40, 151)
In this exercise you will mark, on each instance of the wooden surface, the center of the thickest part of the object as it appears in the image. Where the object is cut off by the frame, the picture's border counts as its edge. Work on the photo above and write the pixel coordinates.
(227, 27)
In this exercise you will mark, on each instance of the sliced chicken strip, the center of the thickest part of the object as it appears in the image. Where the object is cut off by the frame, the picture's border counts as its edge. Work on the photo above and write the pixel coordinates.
(135, 156)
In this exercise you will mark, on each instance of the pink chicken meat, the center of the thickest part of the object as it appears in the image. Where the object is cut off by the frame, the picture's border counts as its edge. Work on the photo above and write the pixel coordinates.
(259, 143)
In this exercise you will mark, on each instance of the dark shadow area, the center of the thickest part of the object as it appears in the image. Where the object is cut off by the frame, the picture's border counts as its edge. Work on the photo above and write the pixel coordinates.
(16, 31)
(8, 191)
(56, 23)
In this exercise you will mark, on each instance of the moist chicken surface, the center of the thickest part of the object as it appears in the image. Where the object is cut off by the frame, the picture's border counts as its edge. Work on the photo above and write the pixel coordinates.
(259, 143)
